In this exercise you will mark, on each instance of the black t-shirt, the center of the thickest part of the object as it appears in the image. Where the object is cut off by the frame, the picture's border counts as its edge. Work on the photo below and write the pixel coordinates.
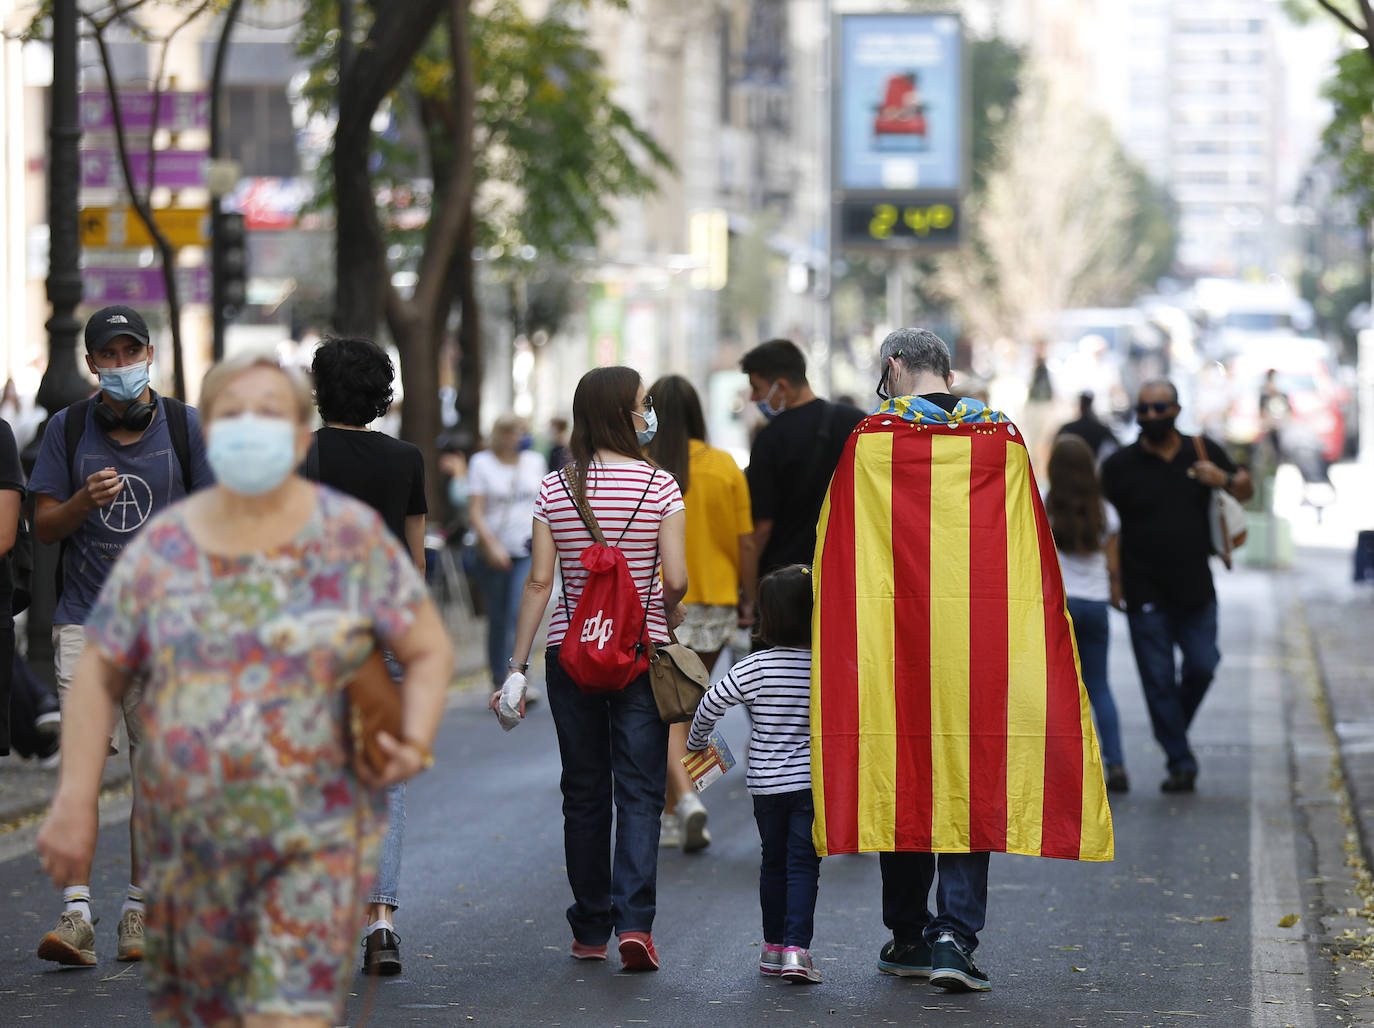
(790, 465)
(1165, 538)
(11, 477)
(386, 474)
(1091, 431)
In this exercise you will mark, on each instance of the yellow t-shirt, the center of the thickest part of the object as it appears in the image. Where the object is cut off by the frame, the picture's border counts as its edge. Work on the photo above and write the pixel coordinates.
(717, 515)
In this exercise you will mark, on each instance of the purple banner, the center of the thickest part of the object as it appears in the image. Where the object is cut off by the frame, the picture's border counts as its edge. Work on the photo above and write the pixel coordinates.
(178, 111)
(175, 169)
(134, 286)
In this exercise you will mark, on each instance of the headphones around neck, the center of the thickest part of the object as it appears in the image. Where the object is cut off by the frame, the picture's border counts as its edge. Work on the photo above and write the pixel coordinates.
(136, 417)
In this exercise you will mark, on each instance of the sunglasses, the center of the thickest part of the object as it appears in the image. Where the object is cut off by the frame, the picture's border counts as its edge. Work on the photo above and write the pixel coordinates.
(1143, 409)
(882, 382)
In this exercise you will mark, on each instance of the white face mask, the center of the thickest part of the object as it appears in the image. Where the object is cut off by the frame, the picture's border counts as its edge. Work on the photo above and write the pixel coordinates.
(765, 407)
(250, 454)
(645, 434)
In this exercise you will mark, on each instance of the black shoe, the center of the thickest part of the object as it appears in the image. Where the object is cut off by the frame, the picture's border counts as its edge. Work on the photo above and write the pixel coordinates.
(1116, 779)
(953, 970)
(906, 960)
(382, 953)
(1179, 781)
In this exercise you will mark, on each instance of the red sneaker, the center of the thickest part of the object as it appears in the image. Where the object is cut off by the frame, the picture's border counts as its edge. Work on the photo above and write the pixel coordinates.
(637, 952)
(586, 951)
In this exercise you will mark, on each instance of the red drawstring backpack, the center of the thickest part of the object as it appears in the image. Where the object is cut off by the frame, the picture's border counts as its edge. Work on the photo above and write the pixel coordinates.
(606, 644)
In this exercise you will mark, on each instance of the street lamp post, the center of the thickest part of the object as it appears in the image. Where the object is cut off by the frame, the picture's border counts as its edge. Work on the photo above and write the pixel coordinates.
(62, 384)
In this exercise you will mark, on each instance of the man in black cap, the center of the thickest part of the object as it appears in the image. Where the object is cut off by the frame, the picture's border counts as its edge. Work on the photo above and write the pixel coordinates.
(107, 465)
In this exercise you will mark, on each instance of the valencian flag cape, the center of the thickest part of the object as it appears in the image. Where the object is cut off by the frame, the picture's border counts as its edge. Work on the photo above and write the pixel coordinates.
(948, 714)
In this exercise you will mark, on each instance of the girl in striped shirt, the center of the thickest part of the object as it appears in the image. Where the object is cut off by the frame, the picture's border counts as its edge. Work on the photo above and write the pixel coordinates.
(775, 684)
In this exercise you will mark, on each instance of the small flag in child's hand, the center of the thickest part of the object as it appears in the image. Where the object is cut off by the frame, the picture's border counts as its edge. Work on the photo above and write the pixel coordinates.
(705, 766)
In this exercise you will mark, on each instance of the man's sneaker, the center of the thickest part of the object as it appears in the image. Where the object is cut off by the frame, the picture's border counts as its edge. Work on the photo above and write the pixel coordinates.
(906, 960)
(588, 951)
(953, 969)
(669, 831)
(692, 813)
(71, 942)
(637, 952)
(797, 966)
(382, 953)
(770, 960)
(130, 934)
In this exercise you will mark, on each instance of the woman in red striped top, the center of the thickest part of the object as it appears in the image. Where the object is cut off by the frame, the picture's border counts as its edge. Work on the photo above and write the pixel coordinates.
(613, 744)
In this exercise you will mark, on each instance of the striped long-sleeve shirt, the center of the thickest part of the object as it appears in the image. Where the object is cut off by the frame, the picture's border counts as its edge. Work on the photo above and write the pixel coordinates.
(775, 685)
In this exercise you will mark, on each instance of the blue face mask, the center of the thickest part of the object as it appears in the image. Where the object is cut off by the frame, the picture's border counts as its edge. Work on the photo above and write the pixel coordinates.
(645, 434)
(126, 384)
(251, 455)
(766, 409)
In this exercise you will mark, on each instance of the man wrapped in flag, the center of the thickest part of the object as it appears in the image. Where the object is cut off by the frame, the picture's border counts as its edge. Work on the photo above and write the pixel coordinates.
(947, 712)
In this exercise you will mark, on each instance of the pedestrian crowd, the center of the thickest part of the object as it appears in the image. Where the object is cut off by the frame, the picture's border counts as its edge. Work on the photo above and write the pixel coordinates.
(907, 617)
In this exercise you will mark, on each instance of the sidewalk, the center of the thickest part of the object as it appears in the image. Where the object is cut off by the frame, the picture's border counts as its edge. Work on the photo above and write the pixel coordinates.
(26, 788)
(1340, 615)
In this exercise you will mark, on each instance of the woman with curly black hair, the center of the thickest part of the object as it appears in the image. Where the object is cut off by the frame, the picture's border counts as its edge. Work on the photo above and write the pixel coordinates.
(352, 389)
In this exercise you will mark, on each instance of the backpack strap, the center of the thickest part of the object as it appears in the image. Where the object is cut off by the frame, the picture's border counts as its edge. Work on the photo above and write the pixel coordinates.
(73, 430)
(179, 429)
(588, 516)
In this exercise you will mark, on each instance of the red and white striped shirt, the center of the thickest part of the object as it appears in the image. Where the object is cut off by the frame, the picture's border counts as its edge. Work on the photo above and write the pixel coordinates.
(613, 490)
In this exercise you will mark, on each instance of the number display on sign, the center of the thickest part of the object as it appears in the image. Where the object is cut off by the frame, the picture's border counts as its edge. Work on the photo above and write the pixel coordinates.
(922, 223)
(920, 220)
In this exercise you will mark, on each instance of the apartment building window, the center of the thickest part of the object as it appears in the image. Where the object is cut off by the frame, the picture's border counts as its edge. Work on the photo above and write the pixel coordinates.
(259, 131)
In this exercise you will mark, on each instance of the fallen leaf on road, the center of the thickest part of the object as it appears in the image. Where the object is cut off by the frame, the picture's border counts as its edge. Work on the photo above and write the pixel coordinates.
(1080, 969)
(1288, 920)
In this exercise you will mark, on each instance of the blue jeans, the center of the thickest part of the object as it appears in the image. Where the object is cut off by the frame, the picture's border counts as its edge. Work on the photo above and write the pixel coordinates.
(1091, 630)
(790, 872)
(614, 749)
(961, 898)
(501, 591)
(1174, 698)
(388, 884)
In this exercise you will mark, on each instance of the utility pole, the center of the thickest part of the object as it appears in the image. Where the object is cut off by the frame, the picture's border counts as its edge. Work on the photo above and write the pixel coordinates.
(223, 176)
(62, 383)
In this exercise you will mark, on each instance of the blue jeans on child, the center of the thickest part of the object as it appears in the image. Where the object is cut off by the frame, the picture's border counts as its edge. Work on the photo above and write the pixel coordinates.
(501, 593)
(789, 874)
(961, 898)
(614, 748)
(1091, 630)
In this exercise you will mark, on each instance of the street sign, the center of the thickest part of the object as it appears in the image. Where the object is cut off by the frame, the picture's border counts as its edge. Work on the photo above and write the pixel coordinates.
(121, 227)
(176, 113)
(138, 286)
(175, 169)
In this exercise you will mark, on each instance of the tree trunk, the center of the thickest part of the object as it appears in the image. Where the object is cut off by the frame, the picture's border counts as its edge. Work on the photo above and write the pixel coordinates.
(468, 371)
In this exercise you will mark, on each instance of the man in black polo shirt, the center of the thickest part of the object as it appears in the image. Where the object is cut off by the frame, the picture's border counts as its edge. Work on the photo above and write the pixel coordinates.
(793, 456)
(1161, 490)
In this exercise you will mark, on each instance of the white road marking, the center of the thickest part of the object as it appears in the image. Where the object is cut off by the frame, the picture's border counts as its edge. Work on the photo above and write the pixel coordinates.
(1280, 979)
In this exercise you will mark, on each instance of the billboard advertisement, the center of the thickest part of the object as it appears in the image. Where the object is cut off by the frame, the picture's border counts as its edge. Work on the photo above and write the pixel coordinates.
(900, 111)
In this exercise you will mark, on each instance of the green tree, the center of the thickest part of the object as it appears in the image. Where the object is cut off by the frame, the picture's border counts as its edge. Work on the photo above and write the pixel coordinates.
(531, 153)
(1349, 136)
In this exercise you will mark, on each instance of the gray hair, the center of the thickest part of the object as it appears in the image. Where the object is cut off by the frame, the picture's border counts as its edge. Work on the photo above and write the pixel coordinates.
(918, 349)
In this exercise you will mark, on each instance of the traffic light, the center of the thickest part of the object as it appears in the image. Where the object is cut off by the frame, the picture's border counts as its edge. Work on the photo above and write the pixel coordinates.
(230, 264)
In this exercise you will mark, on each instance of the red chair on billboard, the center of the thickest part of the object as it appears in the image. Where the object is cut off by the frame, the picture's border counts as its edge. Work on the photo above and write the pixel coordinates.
(902, 114)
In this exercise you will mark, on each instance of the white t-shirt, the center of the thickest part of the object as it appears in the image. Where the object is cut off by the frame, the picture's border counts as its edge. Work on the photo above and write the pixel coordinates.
(1085, 574)
(614, 491)
(510, 491)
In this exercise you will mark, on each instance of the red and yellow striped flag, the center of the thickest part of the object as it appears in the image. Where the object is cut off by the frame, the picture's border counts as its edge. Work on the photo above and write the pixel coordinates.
(948, 714)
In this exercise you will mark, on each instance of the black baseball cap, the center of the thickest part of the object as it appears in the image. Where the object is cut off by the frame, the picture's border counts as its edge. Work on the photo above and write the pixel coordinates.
(110, 323)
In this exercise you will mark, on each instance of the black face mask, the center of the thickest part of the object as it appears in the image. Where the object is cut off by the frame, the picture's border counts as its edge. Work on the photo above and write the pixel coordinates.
(1156, 430)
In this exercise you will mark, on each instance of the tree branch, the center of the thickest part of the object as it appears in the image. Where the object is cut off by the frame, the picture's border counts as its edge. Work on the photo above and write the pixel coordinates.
(1344, 18)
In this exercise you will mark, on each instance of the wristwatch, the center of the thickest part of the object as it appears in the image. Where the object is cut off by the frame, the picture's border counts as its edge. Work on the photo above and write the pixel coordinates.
(522, 668)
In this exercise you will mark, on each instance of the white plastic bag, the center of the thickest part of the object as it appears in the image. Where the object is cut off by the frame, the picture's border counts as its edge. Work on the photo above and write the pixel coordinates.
(508, 706)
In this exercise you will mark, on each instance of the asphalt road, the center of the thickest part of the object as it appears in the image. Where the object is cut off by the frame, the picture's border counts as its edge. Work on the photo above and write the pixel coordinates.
(1181, 930)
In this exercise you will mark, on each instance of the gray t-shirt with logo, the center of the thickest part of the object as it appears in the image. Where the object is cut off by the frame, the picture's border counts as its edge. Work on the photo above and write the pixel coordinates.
(151, 474)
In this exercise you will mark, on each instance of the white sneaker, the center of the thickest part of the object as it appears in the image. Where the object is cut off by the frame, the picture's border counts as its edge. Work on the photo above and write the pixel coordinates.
(692, 813)
(670, 831)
